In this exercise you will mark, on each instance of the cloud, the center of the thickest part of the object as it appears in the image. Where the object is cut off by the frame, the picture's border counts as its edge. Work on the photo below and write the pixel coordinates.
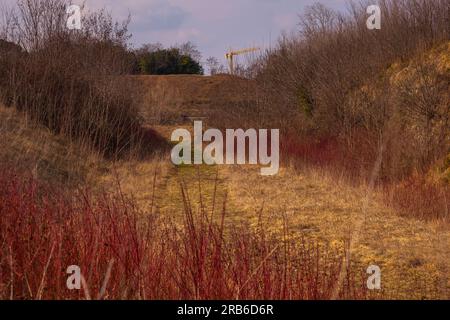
(214, 25)
(149, 15)
(161, 15)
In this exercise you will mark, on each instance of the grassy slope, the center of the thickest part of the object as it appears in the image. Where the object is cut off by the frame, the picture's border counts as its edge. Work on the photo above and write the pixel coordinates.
(414, 255)
(438, 58)
(51, 158)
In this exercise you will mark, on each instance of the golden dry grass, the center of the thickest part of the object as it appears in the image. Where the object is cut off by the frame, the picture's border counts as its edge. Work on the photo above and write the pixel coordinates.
(414, 256)
(170, 99)
(34, 148)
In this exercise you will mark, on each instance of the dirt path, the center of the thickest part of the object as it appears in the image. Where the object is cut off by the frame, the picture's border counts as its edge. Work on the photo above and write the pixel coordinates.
(414, 256)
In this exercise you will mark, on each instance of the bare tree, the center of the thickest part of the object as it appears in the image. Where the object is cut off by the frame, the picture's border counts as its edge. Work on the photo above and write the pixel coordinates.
(190, 49)
(64, 78)
(149, 47)
(214, 66)
(317, 19)
(7, 22)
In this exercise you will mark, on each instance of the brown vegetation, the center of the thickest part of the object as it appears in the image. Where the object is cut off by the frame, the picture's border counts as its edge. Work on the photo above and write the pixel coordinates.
(344, 94)
(67, 80)
(346, 100)
(128, 254)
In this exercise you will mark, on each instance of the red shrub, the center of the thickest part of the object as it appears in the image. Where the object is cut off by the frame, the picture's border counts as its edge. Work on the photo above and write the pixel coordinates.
(126, 254)
(354, 160)
(418, 198)
(315, 151)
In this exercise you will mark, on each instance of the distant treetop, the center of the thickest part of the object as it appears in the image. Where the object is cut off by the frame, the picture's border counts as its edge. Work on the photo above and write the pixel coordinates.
(157, 60)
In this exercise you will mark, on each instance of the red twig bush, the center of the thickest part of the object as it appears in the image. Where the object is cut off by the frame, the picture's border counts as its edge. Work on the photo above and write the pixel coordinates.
(124, 253)
(416, 197)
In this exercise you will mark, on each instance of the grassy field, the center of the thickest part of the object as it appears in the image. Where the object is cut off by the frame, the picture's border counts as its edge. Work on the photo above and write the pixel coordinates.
(86, 177)
(309, 204)
(414, 255)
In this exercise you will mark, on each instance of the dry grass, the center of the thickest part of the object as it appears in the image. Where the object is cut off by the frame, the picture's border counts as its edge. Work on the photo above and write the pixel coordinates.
(33, 148)
(413, 255)
(125, 253)
(316, 206)
(166, 224)
(169, 100)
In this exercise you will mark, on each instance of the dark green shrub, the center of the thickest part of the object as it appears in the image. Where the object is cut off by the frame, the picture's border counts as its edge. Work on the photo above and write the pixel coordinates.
(168, 61)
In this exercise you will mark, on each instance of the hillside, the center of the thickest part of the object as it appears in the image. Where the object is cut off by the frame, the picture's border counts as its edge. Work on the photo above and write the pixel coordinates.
(178, 99)
(414, 255)
(317, 206)
(33, 148)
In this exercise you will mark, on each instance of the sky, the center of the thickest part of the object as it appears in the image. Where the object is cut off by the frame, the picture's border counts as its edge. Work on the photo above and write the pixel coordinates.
(213, 25)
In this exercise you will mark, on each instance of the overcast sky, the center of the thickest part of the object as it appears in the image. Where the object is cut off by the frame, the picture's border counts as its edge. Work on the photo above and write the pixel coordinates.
(213, 25)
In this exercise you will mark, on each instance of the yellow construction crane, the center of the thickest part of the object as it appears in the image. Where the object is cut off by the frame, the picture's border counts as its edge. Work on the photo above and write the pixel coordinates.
(230, 56)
